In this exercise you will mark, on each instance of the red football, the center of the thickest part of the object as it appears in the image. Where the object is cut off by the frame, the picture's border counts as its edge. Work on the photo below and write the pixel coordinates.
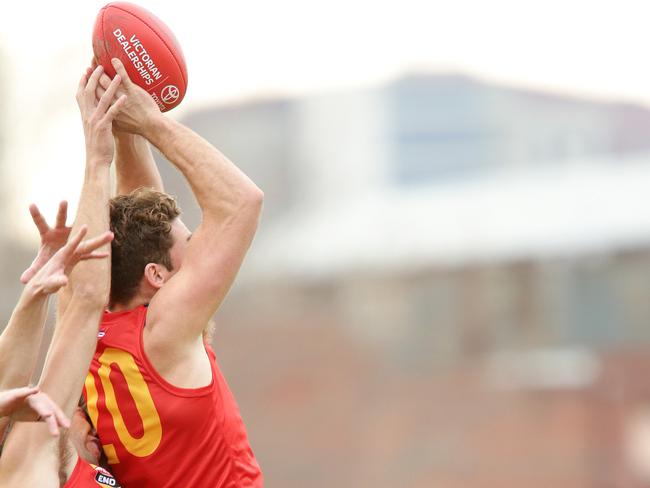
(150, 52)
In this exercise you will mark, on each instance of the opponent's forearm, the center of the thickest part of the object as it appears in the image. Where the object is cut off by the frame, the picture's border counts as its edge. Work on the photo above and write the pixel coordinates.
(220, 188)
(64, 373)
(20, 341)
(91, 277)
(134, 164)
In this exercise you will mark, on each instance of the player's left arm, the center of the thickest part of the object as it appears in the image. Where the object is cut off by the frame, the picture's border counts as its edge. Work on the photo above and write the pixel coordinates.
(30, 453)
(20, 338)
(30, 456)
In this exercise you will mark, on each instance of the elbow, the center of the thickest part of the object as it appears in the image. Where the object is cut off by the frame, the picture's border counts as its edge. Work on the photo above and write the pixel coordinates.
(256, 197)
(253, 200)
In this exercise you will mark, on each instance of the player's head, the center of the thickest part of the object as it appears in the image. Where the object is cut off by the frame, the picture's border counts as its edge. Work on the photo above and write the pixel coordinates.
(83, 436)
(149, 243)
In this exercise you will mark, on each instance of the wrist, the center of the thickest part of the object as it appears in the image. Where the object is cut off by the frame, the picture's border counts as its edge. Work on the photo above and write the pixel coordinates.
(32, 293)
(154, 126)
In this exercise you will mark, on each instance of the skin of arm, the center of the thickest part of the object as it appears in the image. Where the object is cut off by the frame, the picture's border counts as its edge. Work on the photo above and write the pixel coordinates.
(31, 456)
(231, 204)
(95, 193)
(19, 341)
(135, 166)
(18, 355)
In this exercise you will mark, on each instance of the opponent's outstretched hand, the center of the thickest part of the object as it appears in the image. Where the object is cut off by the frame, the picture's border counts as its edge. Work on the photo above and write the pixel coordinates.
(52, 238)
(29, 404)
(54, 274)
(139, 109)
(97, 115)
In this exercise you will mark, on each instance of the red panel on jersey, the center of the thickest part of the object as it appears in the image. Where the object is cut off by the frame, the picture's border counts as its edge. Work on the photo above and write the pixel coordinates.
(155, 434)
(86, 475)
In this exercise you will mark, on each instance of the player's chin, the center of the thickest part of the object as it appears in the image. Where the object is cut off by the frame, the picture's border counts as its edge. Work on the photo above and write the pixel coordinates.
(93, 450)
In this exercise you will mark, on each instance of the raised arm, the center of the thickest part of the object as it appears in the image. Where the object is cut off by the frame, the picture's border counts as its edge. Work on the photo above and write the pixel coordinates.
(230, 203)
(134, 164)
(20, 338)
(95, 193)
(30, 457)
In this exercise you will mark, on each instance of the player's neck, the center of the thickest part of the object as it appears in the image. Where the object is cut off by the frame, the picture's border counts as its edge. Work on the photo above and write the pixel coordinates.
(136, 301)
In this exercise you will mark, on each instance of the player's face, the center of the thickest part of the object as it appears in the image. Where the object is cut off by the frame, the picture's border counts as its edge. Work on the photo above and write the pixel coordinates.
(181, 236)
(84, 438)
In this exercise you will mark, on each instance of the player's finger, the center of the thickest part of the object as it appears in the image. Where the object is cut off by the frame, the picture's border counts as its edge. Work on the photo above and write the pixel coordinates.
(55, 283)
(90, 245)
(73, 243)
(121, 70)
(27, 275)
(108, 95)
(62, 214)
(91, 86)
(114, 110)
(50, 420)
(82, 84)
(60, 417)
(104, 81)
(21, 393)
(38, 219)
(94, 255)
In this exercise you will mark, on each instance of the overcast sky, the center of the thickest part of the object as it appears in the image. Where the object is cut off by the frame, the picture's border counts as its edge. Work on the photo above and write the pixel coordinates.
(241, 49)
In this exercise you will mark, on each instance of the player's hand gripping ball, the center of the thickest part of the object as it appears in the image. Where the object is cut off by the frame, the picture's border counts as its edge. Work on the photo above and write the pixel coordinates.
(146, 46)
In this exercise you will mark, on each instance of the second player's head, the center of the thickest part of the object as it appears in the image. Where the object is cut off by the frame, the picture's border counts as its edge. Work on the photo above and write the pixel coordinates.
(148, 246)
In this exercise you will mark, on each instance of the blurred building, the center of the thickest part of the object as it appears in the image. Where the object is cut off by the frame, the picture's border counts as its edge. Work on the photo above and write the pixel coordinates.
(446, 287)
(449, 286)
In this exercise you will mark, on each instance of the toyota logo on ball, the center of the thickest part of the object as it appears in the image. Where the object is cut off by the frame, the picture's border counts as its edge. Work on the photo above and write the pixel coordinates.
(169, 94)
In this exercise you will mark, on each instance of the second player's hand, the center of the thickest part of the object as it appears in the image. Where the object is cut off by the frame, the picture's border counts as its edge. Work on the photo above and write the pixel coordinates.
(54, 274)
(52, 238)
(97, 115)
(29, 404)
(139, 111)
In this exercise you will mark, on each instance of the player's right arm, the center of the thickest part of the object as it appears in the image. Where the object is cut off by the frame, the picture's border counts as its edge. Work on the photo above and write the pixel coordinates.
(231, 204)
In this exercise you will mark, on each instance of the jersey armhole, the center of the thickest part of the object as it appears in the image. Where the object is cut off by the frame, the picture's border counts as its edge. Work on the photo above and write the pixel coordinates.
(162, 382)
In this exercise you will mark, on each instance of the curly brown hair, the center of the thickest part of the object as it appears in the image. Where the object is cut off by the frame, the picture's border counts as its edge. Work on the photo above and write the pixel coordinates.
(141, 223)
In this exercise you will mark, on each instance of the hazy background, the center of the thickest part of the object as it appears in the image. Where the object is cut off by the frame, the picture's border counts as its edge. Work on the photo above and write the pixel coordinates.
(450, 283)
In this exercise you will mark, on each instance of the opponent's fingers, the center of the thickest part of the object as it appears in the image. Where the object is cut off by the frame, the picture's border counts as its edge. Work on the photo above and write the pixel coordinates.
(55, 283)
(38, 219)
(72, 245)
(50, 421)
(114, 110)
(121, 70)
(104, 81)
(108, 95)
(27, 275)
(94, 255)
(83, 81)
(89, 245)
(60, 417)
(19, 394)
(89, 90)
(62, 214)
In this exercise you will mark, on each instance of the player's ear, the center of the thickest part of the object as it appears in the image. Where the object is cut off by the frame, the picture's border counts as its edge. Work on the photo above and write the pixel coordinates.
(155, 274)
